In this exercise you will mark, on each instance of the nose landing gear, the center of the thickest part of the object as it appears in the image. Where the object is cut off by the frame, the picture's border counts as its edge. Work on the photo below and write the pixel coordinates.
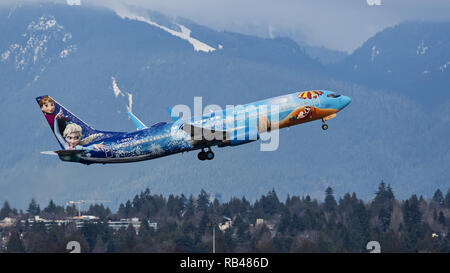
(324, 125)
(209, 155)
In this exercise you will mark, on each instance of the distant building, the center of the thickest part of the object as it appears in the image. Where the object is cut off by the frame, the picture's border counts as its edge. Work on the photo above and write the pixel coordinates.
(124, 223)
(7, 222)
(47, 223)
(259, 221)
(80, 221)
(226, 225)
(86, 217)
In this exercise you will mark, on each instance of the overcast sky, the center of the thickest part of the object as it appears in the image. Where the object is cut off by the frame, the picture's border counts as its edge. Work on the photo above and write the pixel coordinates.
(336, 24)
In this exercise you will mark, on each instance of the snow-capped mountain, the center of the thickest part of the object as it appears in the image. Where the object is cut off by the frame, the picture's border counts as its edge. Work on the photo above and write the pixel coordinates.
(43, 42)
(412, 57)
(99, 64)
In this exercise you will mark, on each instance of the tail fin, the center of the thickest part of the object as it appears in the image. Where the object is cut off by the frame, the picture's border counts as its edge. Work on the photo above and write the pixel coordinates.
(59, 119)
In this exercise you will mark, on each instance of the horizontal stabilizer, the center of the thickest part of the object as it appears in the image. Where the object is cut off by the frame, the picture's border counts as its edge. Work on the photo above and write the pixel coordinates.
(49, 153)
(64, 152)
(139, 124)
(69, 152)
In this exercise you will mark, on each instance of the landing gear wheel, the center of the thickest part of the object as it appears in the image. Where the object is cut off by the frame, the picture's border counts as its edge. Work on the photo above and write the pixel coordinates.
(324, 126)
(202, 155)
(209, 155)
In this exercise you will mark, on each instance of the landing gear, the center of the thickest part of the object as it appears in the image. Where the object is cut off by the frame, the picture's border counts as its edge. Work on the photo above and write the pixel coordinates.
(324, 126)
(201, 155)
(209, 155)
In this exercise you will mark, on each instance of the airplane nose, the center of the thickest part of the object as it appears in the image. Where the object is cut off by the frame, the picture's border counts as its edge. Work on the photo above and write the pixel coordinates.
(345, 101)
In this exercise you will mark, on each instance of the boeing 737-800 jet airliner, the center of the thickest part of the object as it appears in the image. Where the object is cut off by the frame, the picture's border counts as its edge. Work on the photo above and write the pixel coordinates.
(230, 127)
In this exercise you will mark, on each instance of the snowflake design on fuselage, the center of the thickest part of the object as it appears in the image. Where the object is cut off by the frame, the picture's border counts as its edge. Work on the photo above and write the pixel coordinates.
(156, 149)
(179, 138)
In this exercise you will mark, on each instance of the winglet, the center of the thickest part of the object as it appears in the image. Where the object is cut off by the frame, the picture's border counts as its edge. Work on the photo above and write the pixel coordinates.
(139, 124)
(170, 114)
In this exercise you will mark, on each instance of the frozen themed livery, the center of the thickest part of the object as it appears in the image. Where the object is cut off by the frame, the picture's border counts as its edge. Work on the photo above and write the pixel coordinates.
(230, 127)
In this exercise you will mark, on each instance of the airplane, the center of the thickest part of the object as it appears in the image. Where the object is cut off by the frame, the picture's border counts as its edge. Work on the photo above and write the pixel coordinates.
(230, 127)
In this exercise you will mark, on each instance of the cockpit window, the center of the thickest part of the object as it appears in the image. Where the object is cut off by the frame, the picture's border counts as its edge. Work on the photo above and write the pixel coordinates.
(333, 95)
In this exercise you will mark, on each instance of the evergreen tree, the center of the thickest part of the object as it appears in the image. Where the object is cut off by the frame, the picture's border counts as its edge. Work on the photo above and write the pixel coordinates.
(438, 197)
(390, 193)
(175, 205)
(71, 210)
(447, 199)
(243, 232)
(414, 229)
(359, 226)
(203, 201)
(91, 231)
(190, 207)
(381, 188)
(144, 230)
(288, 201)
(285, 222)
(99, 210)
(121, 211)
(56, 239)
(330, 202)
(15, 244)
(100, 246)
(204, 223)
(128, 209)
(296, 224)
(382, 205)
(229, 240)
(34, 208)
(385, 219)
(441, 219)
(270, 203)
(411, 212)
(112, 247)
(51, 208)
(5, 211)
(131, 239)
(283, 244)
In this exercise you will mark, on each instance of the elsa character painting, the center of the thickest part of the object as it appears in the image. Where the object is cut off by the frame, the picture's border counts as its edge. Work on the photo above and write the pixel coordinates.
(73, 134)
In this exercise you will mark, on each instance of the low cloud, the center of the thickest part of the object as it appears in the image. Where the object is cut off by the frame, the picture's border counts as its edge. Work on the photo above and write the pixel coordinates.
(74, 2)
(341, 25)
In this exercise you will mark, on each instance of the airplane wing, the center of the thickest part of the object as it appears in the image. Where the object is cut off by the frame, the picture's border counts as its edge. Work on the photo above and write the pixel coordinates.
(139, 124)
(202, 135)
